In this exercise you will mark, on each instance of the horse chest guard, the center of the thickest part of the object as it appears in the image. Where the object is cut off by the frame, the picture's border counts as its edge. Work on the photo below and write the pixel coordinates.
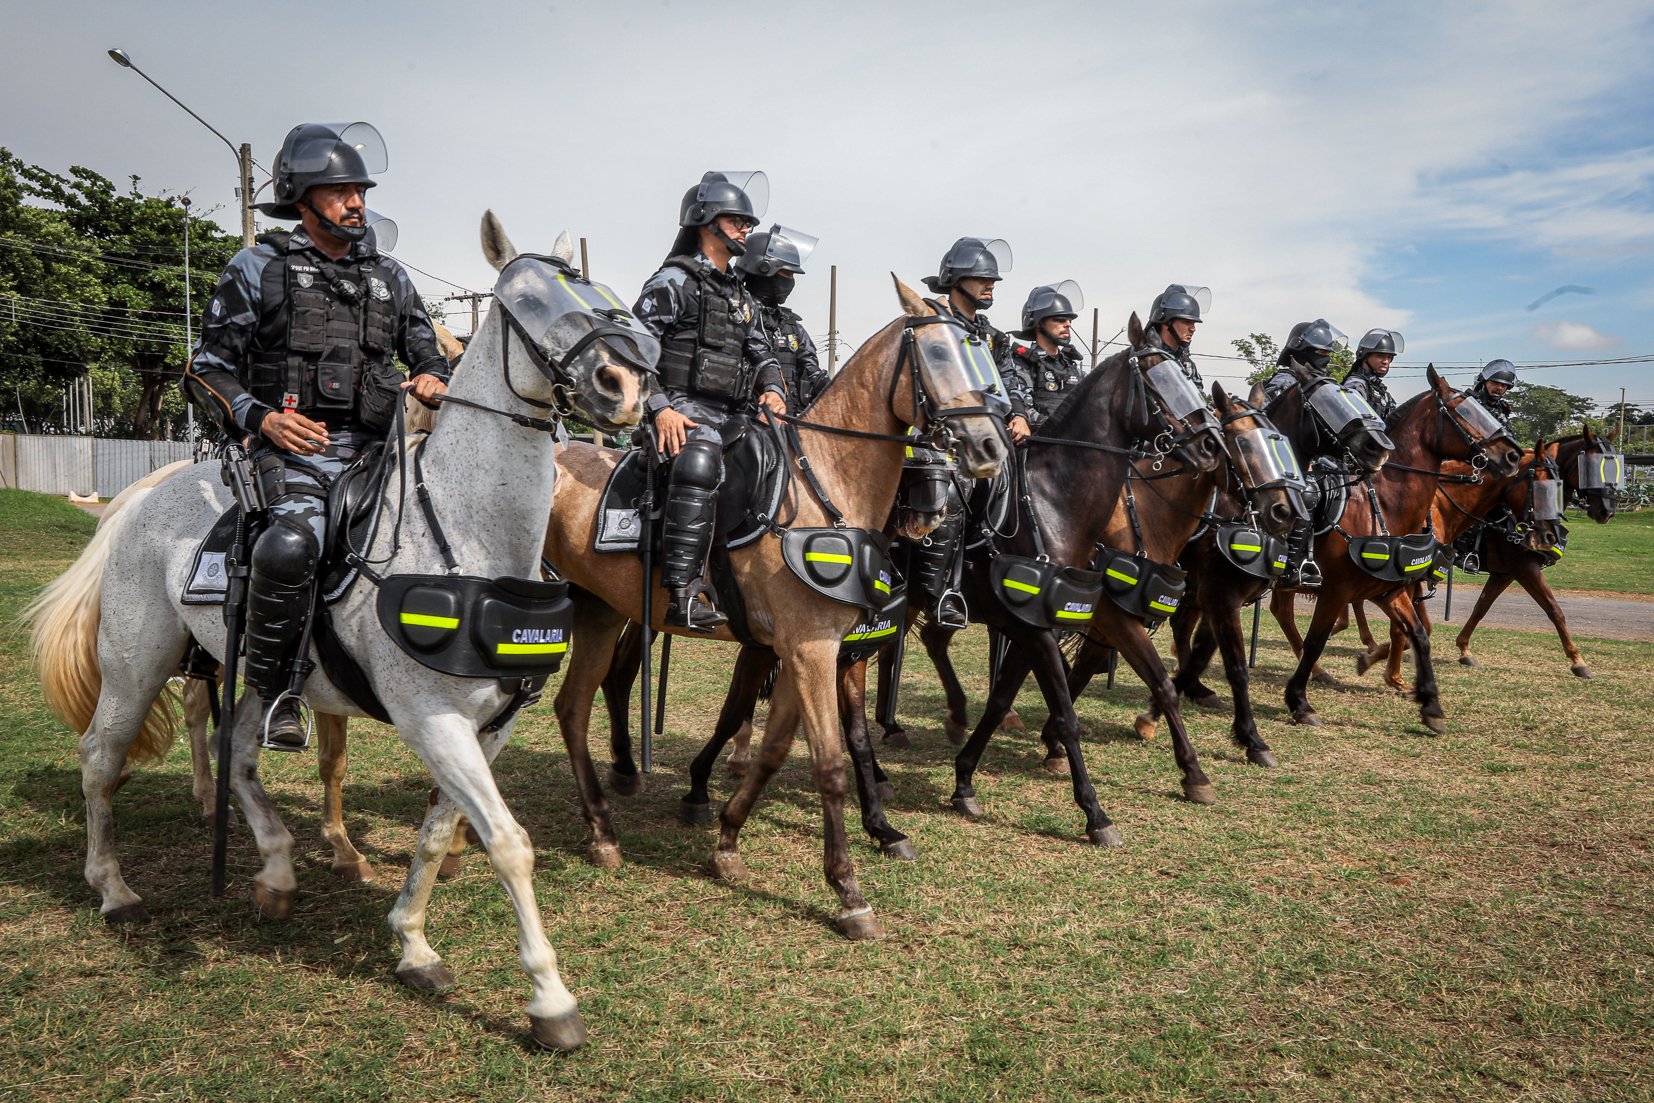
(848, 565)
(1258, 554)
(1147, 590)
(1043, 594)
(1394, 558)
(880, 627)
(478, 627)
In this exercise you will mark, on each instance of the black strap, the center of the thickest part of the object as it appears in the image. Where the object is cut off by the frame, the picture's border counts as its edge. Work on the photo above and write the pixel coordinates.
(544, 425)
(343, 670)
(1135, 453)
(429, 510)
(815, 484)
(858, 433)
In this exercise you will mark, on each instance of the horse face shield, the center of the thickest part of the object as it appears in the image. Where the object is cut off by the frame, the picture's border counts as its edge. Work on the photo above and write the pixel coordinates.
(1347, 413)
(1601, 471)
(1267, 462)
(1547, 499)
(1478, 426)
(1190, 415)
(952, 364)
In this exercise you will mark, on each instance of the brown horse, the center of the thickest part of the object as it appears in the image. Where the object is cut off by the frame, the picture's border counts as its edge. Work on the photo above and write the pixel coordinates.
(1438, 424)
(874, 393)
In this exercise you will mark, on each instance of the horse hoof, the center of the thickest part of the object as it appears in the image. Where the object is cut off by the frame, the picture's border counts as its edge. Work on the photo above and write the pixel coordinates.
(1581, 671)
(737, 768)
(1145, 725)
(957, 733)
(1012, 722)
(886, 792)
(1364, 663)
(427, 978)
(208, 819)
(1056, 764)
(355, 871)
(1307, 719)
(969, 807)
(273, 903)
(897, 739)
(1324, 678)
(1105, 836)
(131, 913)
(1436, 724)
(627, 785)
(605, 856)
(1211, 703)
(901, 849)
(724, 865)
(450, 867)
(1261, 758)
(564, 1033)
(1466, 660)
(694, 814)
(1199, 794)
(860, 928)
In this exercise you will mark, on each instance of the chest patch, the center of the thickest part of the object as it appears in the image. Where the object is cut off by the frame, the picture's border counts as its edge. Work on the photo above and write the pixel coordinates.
(304, 279)
(377, 288)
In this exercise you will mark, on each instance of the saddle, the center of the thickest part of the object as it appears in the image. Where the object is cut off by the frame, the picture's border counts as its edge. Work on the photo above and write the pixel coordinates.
(1326, 493)
(754, 483)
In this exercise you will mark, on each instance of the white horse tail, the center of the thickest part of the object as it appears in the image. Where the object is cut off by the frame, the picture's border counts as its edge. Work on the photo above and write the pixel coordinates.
(63, 637)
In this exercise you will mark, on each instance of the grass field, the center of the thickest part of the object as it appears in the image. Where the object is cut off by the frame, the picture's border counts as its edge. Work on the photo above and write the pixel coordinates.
(1615, 556)
(1385, 916)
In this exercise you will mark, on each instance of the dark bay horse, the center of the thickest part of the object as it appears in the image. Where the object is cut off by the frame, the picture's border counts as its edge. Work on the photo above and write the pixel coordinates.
(1440, 423)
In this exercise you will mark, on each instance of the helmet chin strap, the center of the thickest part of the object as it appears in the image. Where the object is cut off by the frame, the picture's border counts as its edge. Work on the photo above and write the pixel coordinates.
(736, 248)
(343, 233)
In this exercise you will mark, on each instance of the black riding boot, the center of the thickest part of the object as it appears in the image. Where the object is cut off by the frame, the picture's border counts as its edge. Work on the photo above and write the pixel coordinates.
(278, 600)
(933, 570)
(691, 507)
(1302, 572)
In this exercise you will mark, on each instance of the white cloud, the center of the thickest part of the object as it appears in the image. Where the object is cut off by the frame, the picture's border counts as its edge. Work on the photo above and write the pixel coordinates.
(1573, 336)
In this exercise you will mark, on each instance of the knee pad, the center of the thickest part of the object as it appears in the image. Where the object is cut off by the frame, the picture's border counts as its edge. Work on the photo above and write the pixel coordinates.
(286, 554)
(699, 465)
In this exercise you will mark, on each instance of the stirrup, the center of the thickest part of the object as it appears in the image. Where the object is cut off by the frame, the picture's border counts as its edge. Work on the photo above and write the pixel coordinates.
(1309, 575)
(1469, 562)
(950, 611)
(682, 612)
(268, 744)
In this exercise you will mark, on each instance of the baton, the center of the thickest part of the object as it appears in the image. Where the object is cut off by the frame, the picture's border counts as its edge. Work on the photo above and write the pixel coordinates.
(1447, 614)
(238, 476)
(660, 694)
(1257, 613)
(1113, 661)
(646, 540)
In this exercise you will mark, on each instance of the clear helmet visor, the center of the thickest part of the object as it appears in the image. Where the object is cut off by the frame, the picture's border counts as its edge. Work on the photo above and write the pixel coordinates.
(383, 231)
(754, 183)
(1267, 458)
(1056, 299)
(1601, 471)
(1322, 334)
(1547, 499)
(312, 151)
(1480, 420)
(1201, 295)
(791, 248)
(955, 363)
(1382, 340)
(968, 251)
(1343, 409)
(1174, 389)
(557, 308)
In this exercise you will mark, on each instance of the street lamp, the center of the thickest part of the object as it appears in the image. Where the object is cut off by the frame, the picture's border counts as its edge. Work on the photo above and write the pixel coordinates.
(244, 156)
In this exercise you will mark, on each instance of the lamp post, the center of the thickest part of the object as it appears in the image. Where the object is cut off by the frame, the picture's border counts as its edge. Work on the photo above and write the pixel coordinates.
(189, 325)
(243, 156)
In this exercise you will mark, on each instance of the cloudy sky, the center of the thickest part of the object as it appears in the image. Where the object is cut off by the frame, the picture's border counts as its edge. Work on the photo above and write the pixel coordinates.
(1433, 168)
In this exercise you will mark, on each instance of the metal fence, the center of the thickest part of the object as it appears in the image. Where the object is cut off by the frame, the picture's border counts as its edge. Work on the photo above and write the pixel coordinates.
(82, 465)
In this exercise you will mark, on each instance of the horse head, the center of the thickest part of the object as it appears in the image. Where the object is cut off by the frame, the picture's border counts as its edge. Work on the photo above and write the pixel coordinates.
(1340, 420)
(1478, 436)
(594, 357)
(956, 394)
(1180, 421)
(1536, 501)
(1264, 460)
(1591, 470)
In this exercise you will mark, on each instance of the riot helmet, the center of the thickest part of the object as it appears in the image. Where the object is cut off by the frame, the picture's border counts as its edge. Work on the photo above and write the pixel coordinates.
(1052, 300)
(1313, 343)
(1180, 301)
(771, 261)
(1379, 340)
(983, 258)
(741, 194)
(325, 153)
(1497, 371)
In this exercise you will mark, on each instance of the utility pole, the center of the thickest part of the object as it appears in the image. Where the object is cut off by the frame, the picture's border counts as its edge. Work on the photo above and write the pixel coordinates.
(832, 322)
(189, 328)
(1621, 434)
(585, 269)
(1095, 314)
(245, 157)
(475, 298)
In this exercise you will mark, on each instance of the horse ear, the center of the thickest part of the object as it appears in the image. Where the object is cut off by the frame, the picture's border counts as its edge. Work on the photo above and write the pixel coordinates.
(1437, 383)
(1220, 397)
(1300, 369)
(1257, 397)
(1613, 432)
(496, 247)
(1134, 331)
(564, 249)
(912, 303)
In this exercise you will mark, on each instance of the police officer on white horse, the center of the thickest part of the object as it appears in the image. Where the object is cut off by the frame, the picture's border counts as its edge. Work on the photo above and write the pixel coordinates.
(298, 358)
(715, 363)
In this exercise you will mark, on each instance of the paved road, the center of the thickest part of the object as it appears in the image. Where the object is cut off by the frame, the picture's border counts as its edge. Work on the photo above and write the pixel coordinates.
(1609, 618)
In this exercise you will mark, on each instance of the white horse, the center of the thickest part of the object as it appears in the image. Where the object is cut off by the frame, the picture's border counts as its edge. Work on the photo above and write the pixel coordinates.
(490, 483)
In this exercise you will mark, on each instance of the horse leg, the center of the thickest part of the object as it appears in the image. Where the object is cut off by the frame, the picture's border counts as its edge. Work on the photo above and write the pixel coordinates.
(1399, 604)
(197, 697)
(1053, 682)
(596, 627)
(1012, 721)
(1375, 652)
(1229, 633)
(1137, 648)
(752, 666)
(1090, 659)
(894, 734)
(459, 759)
(1398, 641)
(1320, 631)
(1496, 585)
(331, 762)
(274, 884)
(873, 790)
(1012, 673)
(1281, 606)
(937, 640)
(1190, 636)
(617, 695)
(1532, 578)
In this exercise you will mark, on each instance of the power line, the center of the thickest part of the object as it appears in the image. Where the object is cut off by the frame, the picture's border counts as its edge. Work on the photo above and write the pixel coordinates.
(97, 306)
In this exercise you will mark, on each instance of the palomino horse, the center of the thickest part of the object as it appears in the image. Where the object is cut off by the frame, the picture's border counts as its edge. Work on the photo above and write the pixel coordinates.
(1438, 424)
(1534, 495)
(881, 390)
(1209, 617)
(496, 474)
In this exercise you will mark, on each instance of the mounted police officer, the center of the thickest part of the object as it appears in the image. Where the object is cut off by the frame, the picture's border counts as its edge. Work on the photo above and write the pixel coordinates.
(298, 357)
(1172, 322)
(1497, 377)
(769, 268)
(1372, 363)
(1311, 344)
(1043, 366)
(715, 363)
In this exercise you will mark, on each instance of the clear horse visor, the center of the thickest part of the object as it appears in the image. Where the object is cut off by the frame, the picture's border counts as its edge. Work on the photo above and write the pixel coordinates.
(1547, 499)
(1478, 417)
(1601, 471)
(955, 363)
(559, 308)
(1342, 409)
(1268, 458)
(1175, 390)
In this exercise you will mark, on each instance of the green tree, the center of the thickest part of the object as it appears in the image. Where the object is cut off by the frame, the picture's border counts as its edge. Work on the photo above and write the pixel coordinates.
(1261, 351)
(1549, 412)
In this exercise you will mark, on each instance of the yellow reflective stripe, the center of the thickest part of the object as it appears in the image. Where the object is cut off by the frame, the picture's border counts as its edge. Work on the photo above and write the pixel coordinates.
(1375, 555)
(1112, 573)
(575, 295)
(604, 291)
(1013, 584)
(1247, 547)
(530, 648)
(1416, 566)
(881, 587)
(871, 635)
(826, 557)
(430, 622)
(1064, 614)
(1153, 604)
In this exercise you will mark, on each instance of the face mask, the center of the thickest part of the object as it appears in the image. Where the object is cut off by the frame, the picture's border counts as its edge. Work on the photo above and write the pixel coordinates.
(771, 289)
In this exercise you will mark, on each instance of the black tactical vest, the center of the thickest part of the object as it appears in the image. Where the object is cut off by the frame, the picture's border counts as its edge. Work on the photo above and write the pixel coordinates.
(703, 355)
(1371, 386)
(1053, 377)
(330, 346)
(785, 330)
